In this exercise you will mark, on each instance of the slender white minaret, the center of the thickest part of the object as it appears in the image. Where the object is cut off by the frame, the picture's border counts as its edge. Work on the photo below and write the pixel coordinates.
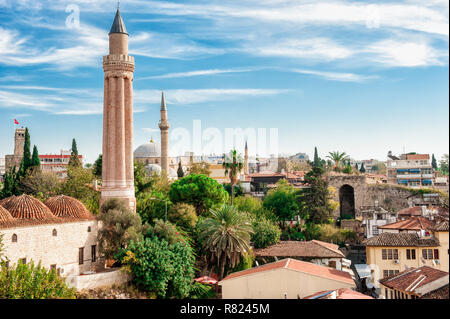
(117, 166)
(164, 127)
(246, 159)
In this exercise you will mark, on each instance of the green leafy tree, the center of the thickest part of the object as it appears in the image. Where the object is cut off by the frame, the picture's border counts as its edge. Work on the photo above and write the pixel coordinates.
(120, 227)
(348, 169)
(266, 233)
(362, 169)
(198, 190)
(356, 166)
(237, 190)
(225, 237)
(35, 162)
(10, 183)
(26, 160)
(200, 168)
(78, 184)
(27, 281)
(251, 205)
(315, 202)
(74, 159)
(180, 172)
(444, 164)
(97, 167)
(282, 202)
(164, 269)
(151, 205)
(42, 185)
(233, 164)
(183, 215)
(338, 158)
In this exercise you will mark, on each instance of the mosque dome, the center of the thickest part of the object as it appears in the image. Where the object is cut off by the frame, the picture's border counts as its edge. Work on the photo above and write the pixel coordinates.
(5, 216)
(27, 207)
(150, 149)
(66, 206)
(153, 168)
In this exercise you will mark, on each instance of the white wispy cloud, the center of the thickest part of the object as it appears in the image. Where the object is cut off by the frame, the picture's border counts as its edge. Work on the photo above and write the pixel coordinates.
(65, 101)
(337, 76)
(199, 73)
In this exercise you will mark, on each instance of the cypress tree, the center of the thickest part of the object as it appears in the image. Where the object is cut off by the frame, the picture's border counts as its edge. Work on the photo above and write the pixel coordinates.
(26, 160)
(317, 161)
(433, 162)
(180, 172)
(35, 162)
(362, 169)
(356, 166)
(98, 166)
(74, 160)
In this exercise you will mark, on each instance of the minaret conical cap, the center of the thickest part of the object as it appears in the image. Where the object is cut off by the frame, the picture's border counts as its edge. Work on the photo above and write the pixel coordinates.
(163, 102)
(118, 25)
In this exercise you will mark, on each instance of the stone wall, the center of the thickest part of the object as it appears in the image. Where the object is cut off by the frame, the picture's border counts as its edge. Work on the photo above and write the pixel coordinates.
(105, 278)
(358, 182)
(37, 243)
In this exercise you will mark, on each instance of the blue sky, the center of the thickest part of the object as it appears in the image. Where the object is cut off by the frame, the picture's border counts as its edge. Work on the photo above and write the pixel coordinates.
(355, 76)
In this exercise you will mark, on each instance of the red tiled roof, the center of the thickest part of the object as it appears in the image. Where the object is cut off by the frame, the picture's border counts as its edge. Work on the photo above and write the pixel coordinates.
(341, 293)
(310, 249)
(57, 156)
(411, 211)
(5, 216)
(417, 156)
(27, 207)
(66, 206)
(412, 279)
(412, 223)
(440, 226)
(300, 266)
(266, 174)
(401, 240)
(441, 293)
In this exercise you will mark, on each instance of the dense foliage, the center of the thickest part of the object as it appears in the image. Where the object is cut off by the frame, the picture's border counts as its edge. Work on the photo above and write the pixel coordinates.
(282, 202)
(265, 233)
(152, 205)
(183, 215)
(120, 226)
(200, 191)
(159, 267)
(27, 281)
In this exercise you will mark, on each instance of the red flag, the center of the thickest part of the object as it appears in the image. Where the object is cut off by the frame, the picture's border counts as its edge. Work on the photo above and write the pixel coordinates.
(15, 121)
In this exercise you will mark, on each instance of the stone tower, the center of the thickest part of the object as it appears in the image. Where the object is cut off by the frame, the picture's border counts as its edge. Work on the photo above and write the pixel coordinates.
(14, 160)
(246, 159)
(164, 127)
(117, 167)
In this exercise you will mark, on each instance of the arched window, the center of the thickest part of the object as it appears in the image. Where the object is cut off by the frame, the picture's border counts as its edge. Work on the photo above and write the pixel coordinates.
(89, 229)
(54, 233)
(14, 238)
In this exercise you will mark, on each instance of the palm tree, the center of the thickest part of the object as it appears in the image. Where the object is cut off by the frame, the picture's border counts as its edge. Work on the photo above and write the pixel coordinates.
(226, 236)
(233, 164)
(337, 157)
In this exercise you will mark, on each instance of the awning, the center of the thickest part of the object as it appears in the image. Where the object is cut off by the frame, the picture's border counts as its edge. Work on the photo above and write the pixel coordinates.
(427, 181)
(414, 170)
(402, 181)
(402, 170)
(414, 180)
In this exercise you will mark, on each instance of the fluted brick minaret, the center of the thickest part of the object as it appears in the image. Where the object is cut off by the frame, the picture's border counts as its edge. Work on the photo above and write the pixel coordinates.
(117, 167)
(164, 127)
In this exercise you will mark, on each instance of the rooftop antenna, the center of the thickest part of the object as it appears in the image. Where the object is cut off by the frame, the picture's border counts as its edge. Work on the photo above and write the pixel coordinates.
(118, 5)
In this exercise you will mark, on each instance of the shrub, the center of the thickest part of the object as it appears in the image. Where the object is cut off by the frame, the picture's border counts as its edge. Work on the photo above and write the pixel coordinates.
(159, 267)
(120, 226)
(152, 205)
(201, 291)
(183, 215)
(167, 231)
(266, 233)
(27, 281)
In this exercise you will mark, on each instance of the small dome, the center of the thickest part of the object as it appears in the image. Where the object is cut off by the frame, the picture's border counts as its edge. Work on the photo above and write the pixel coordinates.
(66, 206)
(151, 149)
(152, 168)
(27, 207)
(5, 200)
(5, 216)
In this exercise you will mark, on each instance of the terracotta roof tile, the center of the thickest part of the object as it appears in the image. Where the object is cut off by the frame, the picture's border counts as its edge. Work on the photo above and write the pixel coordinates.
(27, 207)
(341, 293)
(441, 293)
(412, 279)
(5, 216)
(314, 248)
(412, 223)
(440, 226)
(417, 156)
(401, 240)
(297, 265)
(69, 207)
